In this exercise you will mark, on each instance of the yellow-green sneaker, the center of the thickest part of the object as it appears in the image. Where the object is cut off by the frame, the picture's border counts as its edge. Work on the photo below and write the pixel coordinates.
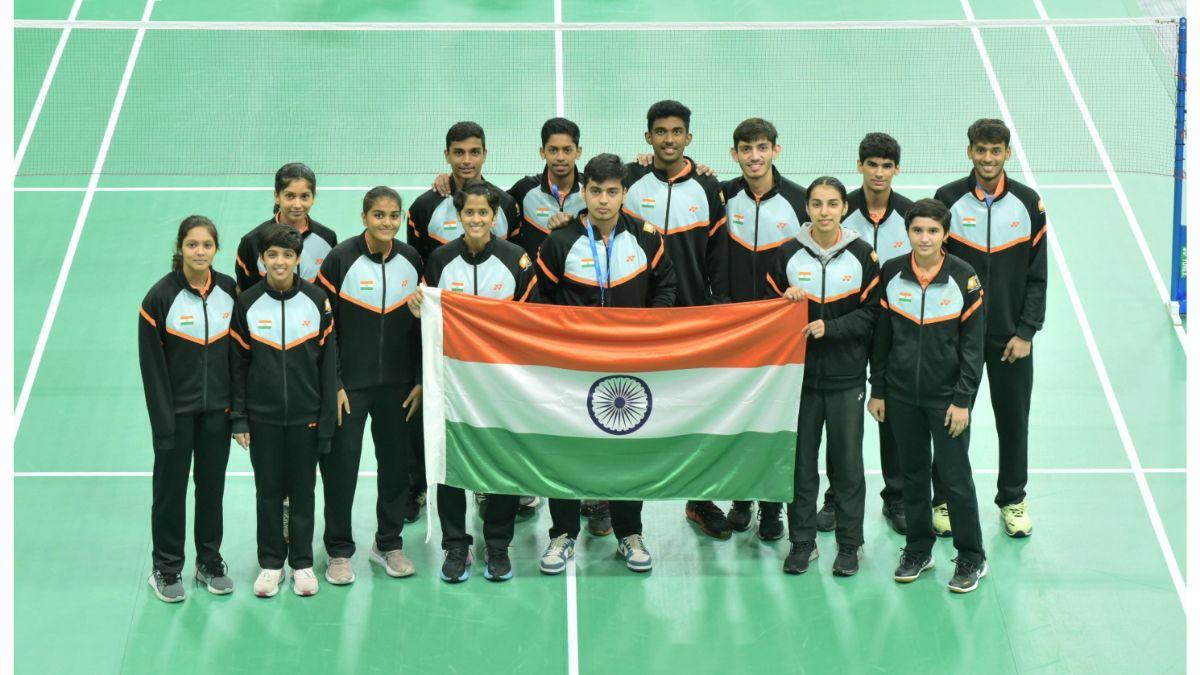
(941, 520)
(1016, 520)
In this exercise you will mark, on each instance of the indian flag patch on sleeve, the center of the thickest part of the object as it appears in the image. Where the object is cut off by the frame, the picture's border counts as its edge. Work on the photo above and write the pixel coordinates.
(187, 320)
(804, 275)
(458, 286)
(905, 296)
(968, 221)
(366, 285)
(739, 219)
(264, 324)
(647, 203)
(587, 263)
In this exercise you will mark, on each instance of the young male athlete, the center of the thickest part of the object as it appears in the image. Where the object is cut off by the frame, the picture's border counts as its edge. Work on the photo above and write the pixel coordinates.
(998, 226)
(763, 210)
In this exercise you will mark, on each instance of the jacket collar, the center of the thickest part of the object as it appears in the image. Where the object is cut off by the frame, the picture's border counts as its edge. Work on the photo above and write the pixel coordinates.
(365, 250)
(1001, 187)
(544, 179)
(285, 295)
(474, 258)
(687, 172)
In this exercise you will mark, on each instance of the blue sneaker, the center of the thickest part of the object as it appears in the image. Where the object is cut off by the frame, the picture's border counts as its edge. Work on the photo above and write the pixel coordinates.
(637, 557)
(557, 553)
(457, 566)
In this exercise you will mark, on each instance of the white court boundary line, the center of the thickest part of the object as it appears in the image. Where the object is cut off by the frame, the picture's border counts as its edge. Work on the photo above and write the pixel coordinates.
(34, 114)
(1106, 162)
(1085, 326)
(77, 233)
(415, 188)
(527, 26)
(1065, 471)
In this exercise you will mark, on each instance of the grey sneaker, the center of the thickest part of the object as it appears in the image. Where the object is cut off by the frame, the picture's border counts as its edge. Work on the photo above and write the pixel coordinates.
(167, 586)
(339, 572)
(395, 563)
(557, 553)
(214, 577)
(637, 556)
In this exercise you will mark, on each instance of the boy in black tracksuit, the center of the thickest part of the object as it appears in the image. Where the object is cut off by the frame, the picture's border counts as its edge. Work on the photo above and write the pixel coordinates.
(1002, 236)
(369, 279)
(478, 263)
(184, 358)
(763, 210)
(688, 210)
(284, 404)
(840, 281)
(636, 272)
(925, 369)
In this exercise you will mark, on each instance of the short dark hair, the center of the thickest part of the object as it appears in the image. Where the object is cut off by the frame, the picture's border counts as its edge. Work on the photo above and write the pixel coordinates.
(380, 192)
(753, 129)
(988, 130)
(188, 224)
(283, 236)
(928, 208)
(461, 131)
(560, 125)
(604, 167)
(290, 172)
(877, 144)
(480, 188)
(668, 108)
(828, 181)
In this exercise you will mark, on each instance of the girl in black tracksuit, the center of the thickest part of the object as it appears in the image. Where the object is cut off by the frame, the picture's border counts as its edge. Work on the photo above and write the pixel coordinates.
(838, 274)
(284, 403)
(926, 365)
(184, 353)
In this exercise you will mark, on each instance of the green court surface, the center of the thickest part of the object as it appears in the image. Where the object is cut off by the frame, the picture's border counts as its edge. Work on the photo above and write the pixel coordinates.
(1091, 592)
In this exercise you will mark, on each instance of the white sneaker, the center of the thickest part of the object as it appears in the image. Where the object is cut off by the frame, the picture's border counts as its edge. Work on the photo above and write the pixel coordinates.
(267, 583)
(304, 582)
(633, 549)
(557, 553)
(941, 520)
(395, 563)
(339, 572)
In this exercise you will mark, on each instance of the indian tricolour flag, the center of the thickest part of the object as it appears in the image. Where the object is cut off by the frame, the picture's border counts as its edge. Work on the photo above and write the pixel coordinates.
(612, 403)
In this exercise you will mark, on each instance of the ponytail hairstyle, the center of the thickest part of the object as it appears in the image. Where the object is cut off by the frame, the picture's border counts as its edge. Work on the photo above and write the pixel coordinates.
(186, 226)
(290, 172)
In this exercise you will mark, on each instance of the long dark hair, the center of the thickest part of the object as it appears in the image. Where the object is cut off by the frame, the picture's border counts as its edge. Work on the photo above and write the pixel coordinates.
(290, 172)
(186, 226)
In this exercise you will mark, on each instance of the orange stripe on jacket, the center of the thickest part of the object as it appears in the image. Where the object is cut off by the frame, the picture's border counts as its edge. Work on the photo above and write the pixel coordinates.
(185, 336)
(979, 302)
(325, 335)
(321, 278)
(528, 289)
(863, 297)
(1041, 233)
(152, 322)
(545, 269)
(620, 339)
(774, 286)
(240, 340)
(963, 240)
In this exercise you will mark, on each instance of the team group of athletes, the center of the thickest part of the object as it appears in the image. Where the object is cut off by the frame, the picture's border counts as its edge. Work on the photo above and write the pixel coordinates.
(315, 336)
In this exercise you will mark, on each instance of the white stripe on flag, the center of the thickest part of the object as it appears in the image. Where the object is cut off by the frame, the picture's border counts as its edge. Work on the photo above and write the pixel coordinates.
(433, 397)
(545, 400)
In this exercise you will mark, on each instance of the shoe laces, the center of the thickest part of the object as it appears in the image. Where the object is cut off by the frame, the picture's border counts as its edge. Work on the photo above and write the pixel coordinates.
(219, 569)
(908, 559)
(848, 549)
(634, 544)
(942, 508)
(305, 574)
(457, 553)
(709, 510)
(267, 575)
(964, 567)
(803, 546)
(558, 545)
(168, 578)
(1016, 510)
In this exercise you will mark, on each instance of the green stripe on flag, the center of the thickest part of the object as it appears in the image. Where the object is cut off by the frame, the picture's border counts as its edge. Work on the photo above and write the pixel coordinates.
(746, 466)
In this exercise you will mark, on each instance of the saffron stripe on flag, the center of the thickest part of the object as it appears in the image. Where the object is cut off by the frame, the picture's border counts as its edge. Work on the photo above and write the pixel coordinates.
(616, 339)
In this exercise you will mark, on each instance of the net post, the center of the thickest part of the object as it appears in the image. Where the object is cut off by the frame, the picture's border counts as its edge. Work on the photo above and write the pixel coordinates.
(1178, 304)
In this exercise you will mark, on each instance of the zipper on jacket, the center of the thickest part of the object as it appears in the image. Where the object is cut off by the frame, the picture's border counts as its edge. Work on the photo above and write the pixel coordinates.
(667, 215)
(283, 353)
(920, 338)
(754, 254)
(382, 312)
(474, 275)
(204, 359)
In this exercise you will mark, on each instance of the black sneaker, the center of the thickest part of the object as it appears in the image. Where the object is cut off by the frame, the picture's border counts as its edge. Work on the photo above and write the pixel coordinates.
(893, 513)
(457, 566)
(967, 575)
(527, 506)
(802, 553)
(416, 500)
(770, 521)
(911, 565)
(826, 518)
(710, 518)
(167, 586)
(739, 516)
(214, 577)
(499, 567)
(599, 520)
(846, 563)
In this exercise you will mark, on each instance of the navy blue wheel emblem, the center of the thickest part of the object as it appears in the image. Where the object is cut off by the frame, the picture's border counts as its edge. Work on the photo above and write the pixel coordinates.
(619, 404)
